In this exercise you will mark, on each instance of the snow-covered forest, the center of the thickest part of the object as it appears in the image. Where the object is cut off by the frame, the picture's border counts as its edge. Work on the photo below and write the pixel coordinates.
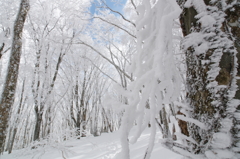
(124, 79)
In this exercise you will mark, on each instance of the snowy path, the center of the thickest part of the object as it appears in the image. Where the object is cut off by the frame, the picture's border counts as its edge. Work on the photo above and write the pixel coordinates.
(104, 147)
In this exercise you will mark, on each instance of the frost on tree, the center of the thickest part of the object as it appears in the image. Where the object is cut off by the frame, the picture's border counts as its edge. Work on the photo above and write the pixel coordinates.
(7, 98)
(211, 44)
(156, 80)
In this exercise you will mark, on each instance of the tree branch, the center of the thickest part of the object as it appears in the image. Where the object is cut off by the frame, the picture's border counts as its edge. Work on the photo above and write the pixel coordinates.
(120, 13)
(117, 67)
(116, 26)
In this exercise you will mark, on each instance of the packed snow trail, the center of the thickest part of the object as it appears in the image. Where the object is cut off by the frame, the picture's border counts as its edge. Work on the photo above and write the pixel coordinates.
(106, 146)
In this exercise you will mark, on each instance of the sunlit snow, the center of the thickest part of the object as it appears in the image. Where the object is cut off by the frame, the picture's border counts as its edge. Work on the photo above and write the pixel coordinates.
(107, 146)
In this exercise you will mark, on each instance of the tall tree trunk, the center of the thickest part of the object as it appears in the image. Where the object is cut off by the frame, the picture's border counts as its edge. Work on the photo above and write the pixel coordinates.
(212, 75)
(7, 98)
(15, 127)
(38, 123)
(39, 106)
(166, 130)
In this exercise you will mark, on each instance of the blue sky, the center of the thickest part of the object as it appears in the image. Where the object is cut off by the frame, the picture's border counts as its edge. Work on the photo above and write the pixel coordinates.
(111, 5)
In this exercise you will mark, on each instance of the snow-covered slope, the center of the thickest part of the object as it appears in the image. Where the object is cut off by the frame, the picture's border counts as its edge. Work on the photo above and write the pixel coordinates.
(107, 146)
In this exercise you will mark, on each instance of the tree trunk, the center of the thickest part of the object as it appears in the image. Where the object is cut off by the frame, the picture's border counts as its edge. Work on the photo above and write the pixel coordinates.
(11, 140)
(7, 98)
(39, 108)
(37, 126)
(212, 75)
(166, 131)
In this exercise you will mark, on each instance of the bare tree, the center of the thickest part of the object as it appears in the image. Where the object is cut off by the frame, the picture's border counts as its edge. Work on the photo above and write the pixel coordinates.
(7, 98)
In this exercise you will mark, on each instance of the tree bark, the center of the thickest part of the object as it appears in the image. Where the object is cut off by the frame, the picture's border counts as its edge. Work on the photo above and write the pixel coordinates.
(211, 76)
(21, 103)
(7, 98)
(38, 123)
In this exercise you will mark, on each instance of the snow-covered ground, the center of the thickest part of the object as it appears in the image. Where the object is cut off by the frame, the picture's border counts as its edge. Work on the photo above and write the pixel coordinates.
(106, 146)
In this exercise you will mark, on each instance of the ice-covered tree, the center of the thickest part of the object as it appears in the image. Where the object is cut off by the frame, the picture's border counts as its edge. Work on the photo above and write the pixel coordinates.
(211, 45)
(209, 119)
(156, 80)
(64, 81)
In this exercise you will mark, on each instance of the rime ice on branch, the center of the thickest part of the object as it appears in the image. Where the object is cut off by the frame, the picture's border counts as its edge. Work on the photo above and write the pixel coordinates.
(157, 81)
